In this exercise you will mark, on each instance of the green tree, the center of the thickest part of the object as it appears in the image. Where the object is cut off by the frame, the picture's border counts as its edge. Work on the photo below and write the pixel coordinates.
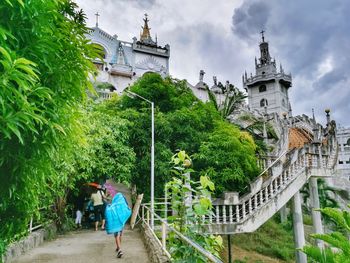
(228, 157)
(168, 94)
(45, 61)
(326, 194)
(108, 137)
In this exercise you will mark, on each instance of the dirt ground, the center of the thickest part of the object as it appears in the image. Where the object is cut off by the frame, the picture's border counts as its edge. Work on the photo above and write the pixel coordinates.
(88, 246)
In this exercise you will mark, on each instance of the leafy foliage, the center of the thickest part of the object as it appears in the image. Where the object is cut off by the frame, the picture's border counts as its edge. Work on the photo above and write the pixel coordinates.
(325, 193)
(233, 99)
(107, 138)
(228, 157)
(44, 68)
(337, 240)
(179, 190)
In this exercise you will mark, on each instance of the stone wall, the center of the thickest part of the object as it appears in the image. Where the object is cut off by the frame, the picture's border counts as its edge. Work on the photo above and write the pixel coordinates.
(154, 249)
(24, 245)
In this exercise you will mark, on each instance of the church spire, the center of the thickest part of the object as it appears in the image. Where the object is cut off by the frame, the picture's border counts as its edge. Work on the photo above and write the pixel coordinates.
(265, 57)
(146, 35)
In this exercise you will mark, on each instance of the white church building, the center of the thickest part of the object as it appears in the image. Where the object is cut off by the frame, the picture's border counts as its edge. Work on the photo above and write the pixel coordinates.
(124, 62)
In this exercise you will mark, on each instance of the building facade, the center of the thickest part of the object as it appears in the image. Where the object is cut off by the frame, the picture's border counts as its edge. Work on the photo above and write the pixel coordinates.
(343, 163)
(268, 88)
(124, 62)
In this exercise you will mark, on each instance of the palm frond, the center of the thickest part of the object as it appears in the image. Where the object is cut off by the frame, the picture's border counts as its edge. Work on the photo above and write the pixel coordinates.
(212, 98)
(337, 216)
(319, 255)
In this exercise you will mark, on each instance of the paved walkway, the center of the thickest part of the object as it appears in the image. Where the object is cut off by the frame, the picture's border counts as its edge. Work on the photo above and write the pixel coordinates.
(87, 246)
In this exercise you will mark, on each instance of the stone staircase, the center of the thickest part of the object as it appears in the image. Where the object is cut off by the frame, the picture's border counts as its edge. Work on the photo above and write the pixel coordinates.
(272, 190)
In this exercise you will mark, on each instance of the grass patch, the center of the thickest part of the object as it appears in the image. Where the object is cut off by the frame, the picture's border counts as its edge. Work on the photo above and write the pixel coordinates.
(307, 219)
(272, 240)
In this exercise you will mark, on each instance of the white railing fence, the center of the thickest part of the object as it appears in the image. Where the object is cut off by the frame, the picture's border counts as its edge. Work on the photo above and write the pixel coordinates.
(162, 228)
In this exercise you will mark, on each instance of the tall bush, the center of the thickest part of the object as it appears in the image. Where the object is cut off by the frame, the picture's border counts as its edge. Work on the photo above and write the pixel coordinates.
(44, 68)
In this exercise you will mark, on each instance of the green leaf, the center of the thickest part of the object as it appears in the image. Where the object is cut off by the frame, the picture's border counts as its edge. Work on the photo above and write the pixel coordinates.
(5, 54)
(182, 155)
(15, 130)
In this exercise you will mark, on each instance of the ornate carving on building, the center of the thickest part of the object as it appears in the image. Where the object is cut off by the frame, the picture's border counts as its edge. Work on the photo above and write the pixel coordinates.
(124, 62)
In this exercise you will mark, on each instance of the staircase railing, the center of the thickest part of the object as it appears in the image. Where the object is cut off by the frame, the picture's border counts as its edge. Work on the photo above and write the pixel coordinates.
(249, 204)
(162, 228)
(298, 162)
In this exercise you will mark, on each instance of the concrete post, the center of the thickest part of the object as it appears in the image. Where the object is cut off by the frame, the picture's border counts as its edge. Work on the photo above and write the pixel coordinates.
(283, 214)
(298, 228)
(316, 215)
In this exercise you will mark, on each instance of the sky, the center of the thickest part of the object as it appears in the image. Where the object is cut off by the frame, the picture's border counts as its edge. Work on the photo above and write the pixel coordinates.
(311, 39)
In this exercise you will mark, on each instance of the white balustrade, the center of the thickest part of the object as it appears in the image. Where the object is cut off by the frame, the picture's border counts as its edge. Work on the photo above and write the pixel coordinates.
(230, 214)
(243, 210)
(217, 214)
(255, 201)
(247, 207)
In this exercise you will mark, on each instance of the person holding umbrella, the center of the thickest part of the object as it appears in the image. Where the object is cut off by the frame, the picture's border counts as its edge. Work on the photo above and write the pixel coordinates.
(97, 199)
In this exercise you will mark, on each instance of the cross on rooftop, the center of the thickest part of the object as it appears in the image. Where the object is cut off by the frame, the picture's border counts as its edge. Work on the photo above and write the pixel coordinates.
(146, 17)
(97, 15)
(262, 35)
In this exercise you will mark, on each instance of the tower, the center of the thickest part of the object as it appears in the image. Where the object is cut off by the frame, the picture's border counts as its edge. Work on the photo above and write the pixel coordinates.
(268, 88)
(124, 62)
(148, 56)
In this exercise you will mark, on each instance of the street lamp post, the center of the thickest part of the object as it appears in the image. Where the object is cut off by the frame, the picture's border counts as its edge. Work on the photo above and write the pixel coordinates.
(133, 94)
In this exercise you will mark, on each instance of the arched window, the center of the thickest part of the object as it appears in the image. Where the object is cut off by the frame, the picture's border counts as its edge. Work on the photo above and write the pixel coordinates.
(263, 103)
(262, 88)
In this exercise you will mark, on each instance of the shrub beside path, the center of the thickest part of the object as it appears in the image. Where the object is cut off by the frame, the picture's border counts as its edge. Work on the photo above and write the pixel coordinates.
(89, 247)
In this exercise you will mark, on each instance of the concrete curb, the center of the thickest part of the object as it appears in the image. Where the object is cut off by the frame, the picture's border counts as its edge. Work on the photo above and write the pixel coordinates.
(155, 252)
(26, 244)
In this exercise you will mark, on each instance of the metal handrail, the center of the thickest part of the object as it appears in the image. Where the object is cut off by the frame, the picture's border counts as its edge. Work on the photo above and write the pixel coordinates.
(31, 228)
(166, 226)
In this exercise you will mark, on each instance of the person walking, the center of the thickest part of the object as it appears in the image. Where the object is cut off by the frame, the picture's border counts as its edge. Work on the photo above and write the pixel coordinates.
(79, 207)
(117, 213)
(118, 242)
(97, 199)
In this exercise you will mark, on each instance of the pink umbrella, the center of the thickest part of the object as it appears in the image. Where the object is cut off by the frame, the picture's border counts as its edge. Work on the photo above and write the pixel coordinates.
(110, 189)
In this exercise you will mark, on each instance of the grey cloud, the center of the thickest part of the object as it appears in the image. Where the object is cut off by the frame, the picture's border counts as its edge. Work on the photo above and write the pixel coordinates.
(250, 18)
(305, 34)
(142, 3)
(216, 54)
